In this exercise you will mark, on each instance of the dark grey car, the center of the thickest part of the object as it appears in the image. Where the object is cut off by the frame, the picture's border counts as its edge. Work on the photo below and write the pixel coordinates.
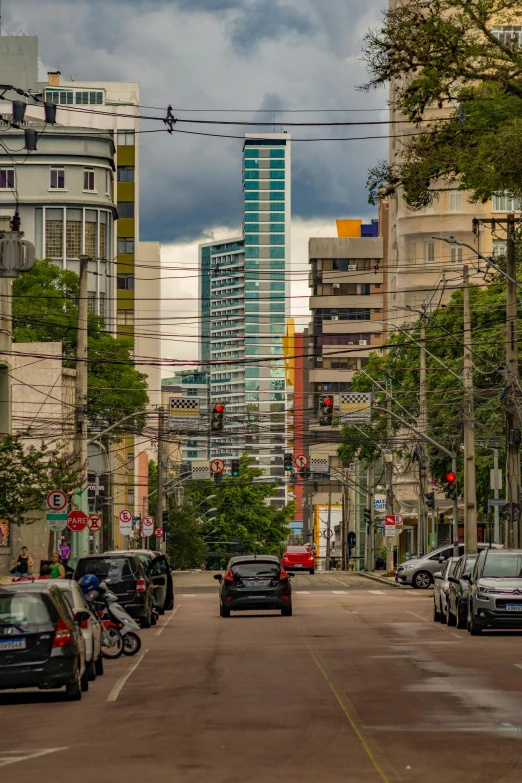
(254, 582)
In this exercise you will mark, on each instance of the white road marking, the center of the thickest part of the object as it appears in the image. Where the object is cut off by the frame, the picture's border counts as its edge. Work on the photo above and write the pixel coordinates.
(377, 592)
(302, 592)
(113, 695)
(418, 615)
(518, 665)
(24, 756)
(160, 630)
(340, 592)
(337, 580)
(188, 595)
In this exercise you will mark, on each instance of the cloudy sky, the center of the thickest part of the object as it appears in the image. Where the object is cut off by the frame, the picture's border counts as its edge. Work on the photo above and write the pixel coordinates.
(259, 56)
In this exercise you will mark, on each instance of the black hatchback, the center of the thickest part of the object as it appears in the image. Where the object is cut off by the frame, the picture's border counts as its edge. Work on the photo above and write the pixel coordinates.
(254, 582)
(41, 644)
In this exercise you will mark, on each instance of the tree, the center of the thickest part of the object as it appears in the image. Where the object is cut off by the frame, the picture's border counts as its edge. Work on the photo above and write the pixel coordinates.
(457, 76)
(29, 472)
(45, 309)
(399, 363)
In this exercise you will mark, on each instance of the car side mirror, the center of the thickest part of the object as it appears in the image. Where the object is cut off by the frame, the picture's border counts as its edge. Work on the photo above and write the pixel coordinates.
(441, 560)
(219, 577)
(453, 580)
(466, 577)
(82, 616)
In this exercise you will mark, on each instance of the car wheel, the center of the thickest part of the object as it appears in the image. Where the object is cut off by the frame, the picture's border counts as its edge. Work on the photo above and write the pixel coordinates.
(286, 611)
(436, 614)
(146, 621)
(461, 621)
(99, 665)
(161, 610)
(73, 690)
(224, 612)
(153, 618)
(473, 627)
(84, 682)
(421, 580)
(450, 618)
(312, 571)
(90, 668)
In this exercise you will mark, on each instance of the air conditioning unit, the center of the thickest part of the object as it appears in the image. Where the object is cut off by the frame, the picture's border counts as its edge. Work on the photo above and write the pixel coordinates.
(334, 318)
(352, 267)
(336, 285)
(363, 342)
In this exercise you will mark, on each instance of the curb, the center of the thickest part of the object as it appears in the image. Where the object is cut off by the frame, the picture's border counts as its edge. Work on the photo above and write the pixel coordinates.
(381, 579)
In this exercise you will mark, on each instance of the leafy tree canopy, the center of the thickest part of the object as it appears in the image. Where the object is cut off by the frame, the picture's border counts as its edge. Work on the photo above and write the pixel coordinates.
(45, 309)
(439, 54)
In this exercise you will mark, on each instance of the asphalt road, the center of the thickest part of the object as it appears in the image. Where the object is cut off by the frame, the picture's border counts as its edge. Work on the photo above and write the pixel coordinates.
(359, 686)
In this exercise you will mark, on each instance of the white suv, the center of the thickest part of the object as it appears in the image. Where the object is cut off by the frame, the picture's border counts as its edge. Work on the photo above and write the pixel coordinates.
(91, 629)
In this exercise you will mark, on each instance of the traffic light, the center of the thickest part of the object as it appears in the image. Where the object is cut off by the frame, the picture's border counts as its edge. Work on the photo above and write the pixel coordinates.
(367, 516)
(326, 407)
(430, 499)
(217, 417)
(235, 468)
(288, 461)
(451, 486)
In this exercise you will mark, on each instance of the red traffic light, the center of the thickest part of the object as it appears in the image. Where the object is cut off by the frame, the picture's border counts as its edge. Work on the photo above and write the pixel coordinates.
(450, 477)
(328, 401)
(219, 408)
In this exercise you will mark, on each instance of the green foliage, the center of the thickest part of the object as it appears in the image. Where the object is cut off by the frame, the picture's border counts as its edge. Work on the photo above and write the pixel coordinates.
(45, 309)
(29, 472)
(439, 54)
(399, 364)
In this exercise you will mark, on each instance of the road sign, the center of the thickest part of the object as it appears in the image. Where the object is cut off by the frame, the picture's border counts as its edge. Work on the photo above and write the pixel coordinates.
(148, 526)
(183, 413)
(95, 522)
(319, 463)
(56, 521)
(510, 511)
(379, 502)
(301, 461)
(355, 407)
(389, 525)
(143, 534)
(200, 470)
(399, 523)
(125, 522)
(56, 500)
(158, 532)
(217, 466)
(492, 502)
(77, 521)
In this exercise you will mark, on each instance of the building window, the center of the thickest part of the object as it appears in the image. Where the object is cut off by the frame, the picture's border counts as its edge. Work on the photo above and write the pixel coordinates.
(88, 179)
(91, 303)
(456, 254)
(7, 178)
(89, 98)
(102, 305)
(126, 209)
(499, 248)
(429, 252)
(125, 282)
(60, 97)
(125, 317)
(54, 238)
(108, 183)
(126, 138)
(103, 234)
(192, 454)
(508, 35)
(126, 245)
(455, 202)
(365, 289)
(74, 238)
(504, 202)
(90, 238)
(57, 179)
(126, 174)
(192, 392)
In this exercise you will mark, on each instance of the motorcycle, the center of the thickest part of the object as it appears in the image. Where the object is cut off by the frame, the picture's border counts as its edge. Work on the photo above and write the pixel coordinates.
(115, 618)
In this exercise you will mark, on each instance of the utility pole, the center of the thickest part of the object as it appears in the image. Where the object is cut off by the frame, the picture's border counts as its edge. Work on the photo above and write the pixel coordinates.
(389, 482)
(513, 538)
(470, 492)
(421, 449)
(496, 526)
(80, 541)
(370, 532)
(329, 523)
(344, 526)
(162, 468)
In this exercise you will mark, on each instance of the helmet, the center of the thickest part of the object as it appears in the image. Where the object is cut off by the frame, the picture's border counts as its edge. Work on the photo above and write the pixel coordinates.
(88, 583)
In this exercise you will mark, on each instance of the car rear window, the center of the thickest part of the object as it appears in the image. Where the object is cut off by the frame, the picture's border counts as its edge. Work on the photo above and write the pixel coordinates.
(502, 566)
(295, 549)
(23, 609)
(470, 563)
(256, 568)
(114, 568)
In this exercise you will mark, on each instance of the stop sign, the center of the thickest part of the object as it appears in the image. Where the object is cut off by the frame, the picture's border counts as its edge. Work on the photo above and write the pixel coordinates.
(77, 521)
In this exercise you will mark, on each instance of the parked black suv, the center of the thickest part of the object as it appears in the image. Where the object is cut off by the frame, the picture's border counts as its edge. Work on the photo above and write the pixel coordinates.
(41, 644)
(158, 569)
(128, 578)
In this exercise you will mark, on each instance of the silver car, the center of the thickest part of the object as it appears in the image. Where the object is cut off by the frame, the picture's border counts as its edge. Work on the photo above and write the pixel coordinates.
(495, 593)
(91, 628)
(419, 571)
(441, 589)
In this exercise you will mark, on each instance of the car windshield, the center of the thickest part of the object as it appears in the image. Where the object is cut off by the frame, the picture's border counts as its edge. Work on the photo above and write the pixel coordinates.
(23, 609)
(257, 568)
(113, 568)
(502, 566)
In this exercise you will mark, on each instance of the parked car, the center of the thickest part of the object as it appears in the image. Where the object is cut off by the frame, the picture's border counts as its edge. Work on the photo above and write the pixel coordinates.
(159, 571)
(440, 589)
(457, 603)
(418, 571)
(90, 626)
(254, 582)
(41, 644)
(495, 593)
(128, 579)
(299, 558)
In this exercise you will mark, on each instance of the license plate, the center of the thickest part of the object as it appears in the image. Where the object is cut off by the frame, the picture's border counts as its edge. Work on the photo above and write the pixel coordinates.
(514, 607)
(12, 644)
(257, 584)
(297, 565)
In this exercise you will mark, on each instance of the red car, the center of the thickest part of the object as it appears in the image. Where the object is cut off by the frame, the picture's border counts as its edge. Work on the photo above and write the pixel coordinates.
(299, 558)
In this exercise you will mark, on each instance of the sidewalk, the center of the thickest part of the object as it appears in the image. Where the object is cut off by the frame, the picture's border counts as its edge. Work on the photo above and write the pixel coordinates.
(379, 576)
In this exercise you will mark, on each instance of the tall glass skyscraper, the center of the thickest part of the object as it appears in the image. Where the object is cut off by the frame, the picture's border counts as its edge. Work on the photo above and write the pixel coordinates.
(243, 303)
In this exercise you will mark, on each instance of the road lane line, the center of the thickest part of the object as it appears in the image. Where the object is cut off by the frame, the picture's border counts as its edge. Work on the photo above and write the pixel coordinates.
(352, 719)
(302, 592)
(518, 665)
(377, 592)
(113, 695)
(417, 615)
(25, 757)
(340, 592)
(337, 580)
(188, 595)
(160, 630)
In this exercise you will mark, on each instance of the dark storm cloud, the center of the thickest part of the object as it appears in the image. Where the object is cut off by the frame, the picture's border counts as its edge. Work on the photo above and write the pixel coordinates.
(261, 56)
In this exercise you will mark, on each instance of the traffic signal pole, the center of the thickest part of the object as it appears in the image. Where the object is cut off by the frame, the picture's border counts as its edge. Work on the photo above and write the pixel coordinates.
(470, 492)
(513, 538)
(80, 541)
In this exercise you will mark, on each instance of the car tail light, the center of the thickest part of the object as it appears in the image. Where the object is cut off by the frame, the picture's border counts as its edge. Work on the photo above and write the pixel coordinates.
(282, 575)
(229, 576)
(62, 635)
(141, 586)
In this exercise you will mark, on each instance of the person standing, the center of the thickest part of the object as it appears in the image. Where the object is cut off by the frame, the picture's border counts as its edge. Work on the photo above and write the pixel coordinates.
(65, 552)
(57, 569)
(23, 564)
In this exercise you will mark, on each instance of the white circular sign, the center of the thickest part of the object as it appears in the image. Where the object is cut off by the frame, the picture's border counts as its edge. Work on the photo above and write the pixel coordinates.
(125, 522)
(399, 519)
(301, 461)
(148, 525)
(217, 466)
(56, 500)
